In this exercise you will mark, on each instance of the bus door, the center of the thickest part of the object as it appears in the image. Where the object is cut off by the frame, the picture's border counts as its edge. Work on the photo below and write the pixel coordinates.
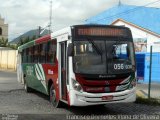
(63, 70)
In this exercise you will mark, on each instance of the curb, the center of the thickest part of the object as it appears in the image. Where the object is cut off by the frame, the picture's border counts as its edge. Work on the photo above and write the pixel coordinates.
(7, 70)
(141, 93)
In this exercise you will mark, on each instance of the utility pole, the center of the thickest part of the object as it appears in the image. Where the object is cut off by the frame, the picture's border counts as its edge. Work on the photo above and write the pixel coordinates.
(119, 3)
(150, 74)
(49, 25)
(39, 31)
(50, 18)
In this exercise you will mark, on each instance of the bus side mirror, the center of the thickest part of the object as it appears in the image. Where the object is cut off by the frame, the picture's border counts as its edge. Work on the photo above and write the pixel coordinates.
(70, 49)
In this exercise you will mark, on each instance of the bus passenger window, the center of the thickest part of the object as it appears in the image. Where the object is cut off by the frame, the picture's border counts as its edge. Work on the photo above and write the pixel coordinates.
(82, 48)
(120, 51)
(23, 56)
(30, 56)
(51, 52)
(46, 54)
(27, 55)
(90, 48)
(36, 53)
(43, 49)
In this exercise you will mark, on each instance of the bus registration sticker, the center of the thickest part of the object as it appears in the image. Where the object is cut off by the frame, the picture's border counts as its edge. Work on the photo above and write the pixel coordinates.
(109, 97)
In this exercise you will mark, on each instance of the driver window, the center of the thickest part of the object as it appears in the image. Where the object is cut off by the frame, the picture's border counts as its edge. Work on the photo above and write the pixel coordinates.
(120, 51)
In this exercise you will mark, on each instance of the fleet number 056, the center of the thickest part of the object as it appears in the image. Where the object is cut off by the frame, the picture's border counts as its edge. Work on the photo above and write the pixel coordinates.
(122, 66)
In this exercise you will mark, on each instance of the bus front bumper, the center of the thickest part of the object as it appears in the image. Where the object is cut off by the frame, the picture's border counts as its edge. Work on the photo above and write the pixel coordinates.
(85, 99)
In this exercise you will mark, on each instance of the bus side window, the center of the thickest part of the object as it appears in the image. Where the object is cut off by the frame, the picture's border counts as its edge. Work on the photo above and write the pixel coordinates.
(43, 49)
(27, 55)
(22, 56)
(39, 53)
(36, 54)
(30, 55)
(48, 52)
(51, 52)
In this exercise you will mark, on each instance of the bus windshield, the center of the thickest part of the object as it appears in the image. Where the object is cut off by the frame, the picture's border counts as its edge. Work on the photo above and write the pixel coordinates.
(103, 57)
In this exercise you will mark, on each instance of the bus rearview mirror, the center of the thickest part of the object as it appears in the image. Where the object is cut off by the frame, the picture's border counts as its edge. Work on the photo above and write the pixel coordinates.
(70, 49)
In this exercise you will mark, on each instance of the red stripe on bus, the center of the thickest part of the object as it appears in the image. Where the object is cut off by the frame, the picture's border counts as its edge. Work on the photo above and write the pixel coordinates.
(43, 39)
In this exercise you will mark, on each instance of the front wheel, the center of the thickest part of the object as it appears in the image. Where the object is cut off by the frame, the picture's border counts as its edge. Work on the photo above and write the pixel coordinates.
(56, 103)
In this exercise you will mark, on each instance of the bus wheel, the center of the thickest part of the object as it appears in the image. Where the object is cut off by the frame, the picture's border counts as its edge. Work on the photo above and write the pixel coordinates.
(26, 88)
(52, 95)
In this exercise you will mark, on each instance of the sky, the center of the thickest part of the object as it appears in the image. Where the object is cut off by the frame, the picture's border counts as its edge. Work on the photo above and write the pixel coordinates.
(25, 15)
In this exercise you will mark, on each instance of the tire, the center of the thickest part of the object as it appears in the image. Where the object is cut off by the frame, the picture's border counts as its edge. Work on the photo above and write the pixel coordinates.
(52, 97)
(26, 88)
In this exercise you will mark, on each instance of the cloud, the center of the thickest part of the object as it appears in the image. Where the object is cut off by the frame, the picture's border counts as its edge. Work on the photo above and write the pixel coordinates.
(24, 15)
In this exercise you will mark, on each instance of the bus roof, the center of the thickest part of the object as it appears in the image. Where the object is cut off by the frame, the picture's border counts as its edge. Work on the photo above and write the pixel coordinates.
(34, 42)
(61, 32)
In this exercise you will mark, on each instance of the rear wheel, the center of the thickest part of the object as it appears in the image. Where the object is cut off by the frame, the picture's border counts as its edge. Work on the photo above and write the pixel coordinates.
(52, 93)
(26, 88)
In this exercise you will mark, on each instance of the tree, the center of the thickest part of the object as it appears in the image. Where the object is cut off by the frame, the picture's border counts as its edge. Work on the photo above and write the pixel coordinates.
(3, 42)
(20, 42)
(33, 37)
(13, 46)
(27, 39)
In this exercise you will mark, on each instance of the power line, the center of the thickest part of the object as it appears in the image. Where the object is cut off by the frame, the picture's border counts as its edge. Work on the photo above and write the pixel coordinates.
(125, 12)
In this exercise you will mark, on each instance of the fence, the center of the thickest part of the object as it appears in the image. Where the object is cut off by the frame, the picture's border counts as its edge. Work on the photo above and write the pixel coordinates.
(8, 59)
(148, 72)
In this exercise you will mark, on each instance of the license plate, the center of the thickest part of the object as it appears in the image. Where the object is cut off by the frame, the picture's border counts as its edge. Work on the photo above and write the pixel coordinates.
(109, 97)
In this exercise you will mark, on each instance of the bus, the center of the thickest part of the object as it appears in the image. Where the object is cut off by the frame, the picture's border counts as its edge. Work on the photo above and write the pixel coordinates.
(81, 65)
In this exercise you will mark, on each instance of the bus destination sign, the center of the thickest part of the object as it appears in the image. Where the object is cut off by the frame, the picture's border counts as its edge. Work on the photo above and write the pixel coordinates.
(101, 31)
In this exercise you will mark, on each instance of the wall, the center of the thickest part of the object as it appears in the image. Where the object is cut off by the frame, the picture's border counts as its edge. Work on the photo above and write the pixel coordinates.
(143, 67)
(155, 67)
(8, 59)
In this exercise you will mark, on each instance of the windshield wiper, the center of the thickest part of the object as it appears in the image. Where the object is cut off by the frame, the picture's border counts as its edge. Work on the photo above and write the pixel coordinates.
(96, 48)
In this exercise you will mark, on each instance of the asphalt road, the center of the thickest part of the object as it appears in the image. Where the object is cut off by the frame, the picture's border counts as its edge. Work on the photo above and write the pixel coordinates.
(16, 103)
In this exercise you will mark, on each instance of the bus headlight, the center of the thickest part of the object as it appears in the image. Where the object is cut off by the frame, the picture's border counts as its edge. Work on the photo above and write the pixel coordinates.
(76, 86)
(133, 83)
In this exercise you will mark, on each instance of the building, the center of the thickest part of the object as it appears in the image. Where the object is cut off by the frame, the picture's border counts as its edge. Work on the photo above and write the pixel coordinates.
(143, 22)
(3, 29)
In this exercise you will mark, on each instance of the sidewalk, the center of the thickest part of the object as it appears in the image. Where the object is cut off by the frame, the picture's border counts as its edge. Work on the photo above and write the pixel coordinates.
(7, 70)
(8, 81)
(142, 90)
